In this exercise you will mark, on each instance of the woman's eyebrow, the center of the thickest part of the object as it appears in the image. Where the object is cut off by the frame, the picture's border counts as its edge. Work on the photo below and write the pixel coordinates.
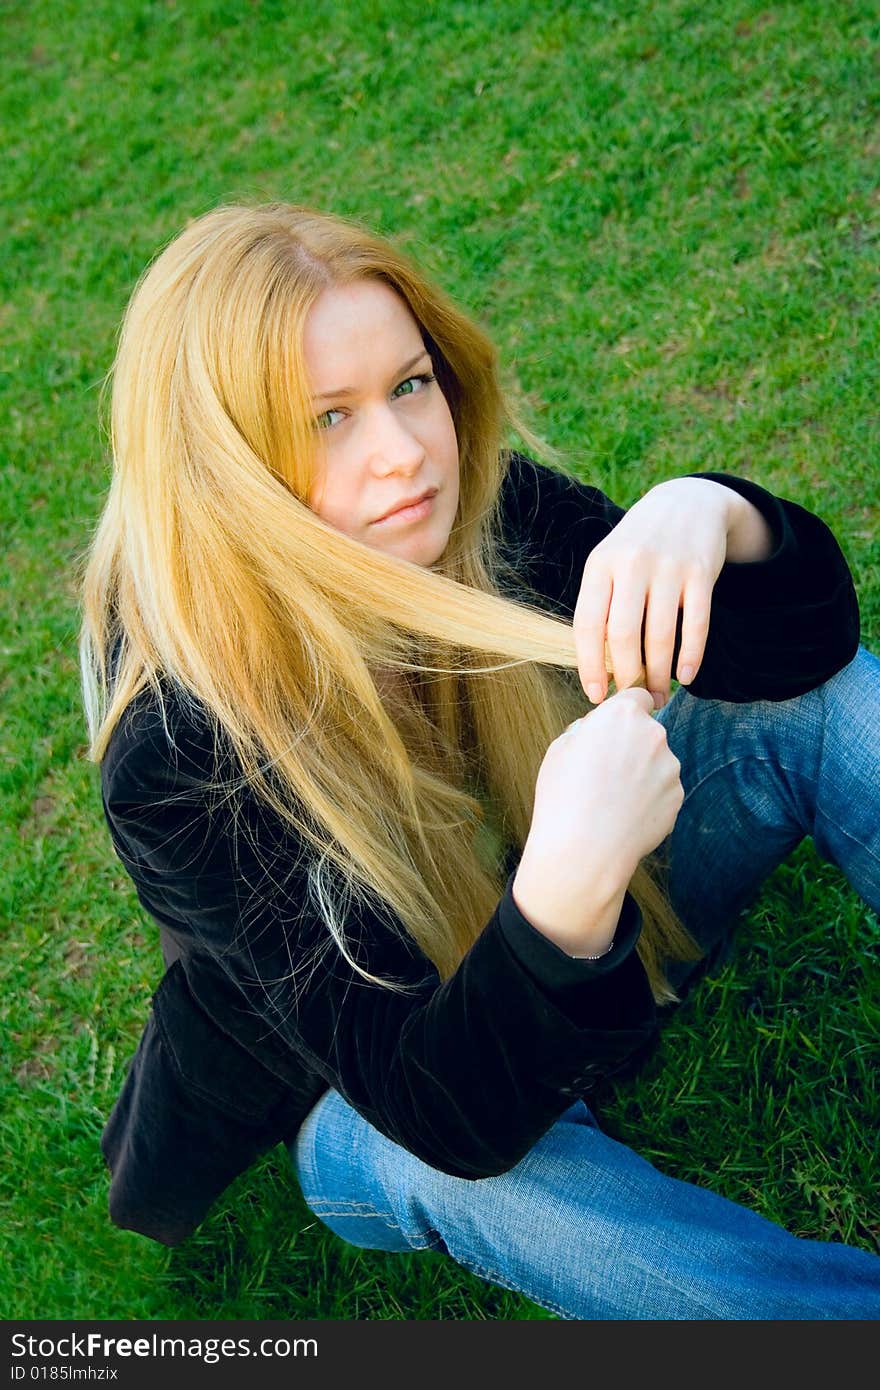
(351, 390)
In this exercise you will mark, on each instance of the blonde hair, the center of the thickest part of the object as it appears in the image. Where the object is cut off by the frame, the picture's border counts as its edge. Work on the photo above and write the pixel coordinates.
(213, 574)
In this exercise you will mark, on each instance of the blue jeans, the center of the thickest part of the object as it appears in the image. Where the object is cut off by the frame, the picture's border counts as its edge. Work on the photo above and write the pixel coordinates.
(582, 1225)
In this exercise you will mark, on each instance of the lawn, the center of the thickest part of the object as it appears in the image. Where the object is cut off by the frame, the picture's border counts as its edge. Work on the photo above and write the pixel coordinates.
(668, 217)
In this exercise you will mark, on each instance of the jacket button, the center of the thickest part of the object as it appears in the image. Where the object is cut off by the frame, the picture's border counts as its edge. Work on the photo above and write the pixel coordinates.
(590, 1070)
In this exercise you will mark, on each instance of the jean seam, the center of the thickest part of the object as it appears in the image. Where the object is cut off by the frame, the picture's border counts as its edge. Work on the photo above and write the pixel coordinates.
(846, 835)
(324, 1207)
(346, 1208)
(483, 1272)
(330, 1210)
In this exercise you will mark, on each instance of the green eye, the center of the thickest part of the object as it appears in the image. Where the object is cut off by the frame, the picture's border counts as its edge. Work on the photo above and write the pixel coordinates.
(407, 388)
(323, 422)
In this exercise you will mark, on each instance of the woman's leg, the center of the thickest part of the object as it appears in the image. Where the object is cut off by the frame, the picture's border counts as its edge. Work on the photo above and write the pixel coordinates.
(760, 777)
(582, 1225)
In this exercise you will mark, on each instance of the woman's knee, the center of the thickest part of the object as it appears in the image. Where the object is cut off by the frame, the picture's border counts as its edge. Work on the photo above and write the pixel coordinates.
(846, 827)
(355, 1179)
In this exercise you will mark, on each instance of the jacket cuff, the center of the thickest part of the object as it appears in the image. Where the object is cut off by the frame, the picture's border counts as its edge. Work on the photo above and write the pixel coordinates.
(601, 992)
(780, 579)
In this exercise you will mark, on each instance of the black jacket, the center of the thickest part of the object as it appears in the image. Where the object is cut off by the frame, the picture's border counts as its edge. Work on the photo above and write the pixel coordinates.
(466, 1074)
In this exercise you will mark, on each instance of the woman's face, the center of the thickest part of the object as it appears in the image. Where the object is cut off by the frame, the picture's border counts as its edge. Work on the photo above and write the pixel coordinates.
(386, 434)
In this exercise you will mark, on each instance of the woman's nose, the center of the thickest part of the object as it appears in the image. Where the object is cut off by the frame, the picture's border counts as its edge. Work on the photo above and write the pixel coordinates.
(392, 444)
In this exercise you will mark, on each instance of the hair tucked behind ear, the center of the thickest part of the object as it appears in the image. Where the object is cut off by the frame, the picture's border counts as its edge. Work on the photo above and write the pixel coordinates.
(210, 570)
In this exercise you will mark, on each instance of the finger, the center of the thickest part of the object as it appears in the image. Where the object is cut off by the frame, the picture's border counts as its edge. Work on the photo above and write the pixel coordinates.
(625, 616)
(697, 608)
(590, 622)
(639, 695)
(661, 618)
(634, 693)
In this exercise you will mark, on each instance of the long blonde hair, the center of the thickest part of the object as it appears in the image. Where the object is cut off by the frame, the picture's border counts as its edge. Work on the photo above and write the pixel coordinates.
(212, 573)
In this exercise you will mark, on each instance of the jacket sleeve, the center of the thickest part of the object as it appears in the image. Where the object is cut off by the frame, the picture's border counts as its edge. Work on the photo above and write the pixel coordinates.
(778, 627)
(466, 1074)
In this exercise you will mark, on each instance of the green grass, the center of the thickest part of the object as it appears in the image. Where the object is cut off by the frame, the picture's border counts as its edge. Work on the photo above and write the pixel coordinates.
(668, 217)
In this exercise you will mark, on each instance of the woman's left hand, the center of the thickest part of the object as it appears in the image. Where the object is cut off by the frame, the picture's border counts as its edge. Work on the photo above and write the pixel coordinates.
(664, 554)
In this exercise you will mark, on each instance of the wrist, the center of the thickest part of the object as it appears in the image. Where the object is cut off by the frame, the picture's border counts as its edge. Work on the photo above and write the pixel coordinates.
(596, 955)
(749, 537)
(579, 916)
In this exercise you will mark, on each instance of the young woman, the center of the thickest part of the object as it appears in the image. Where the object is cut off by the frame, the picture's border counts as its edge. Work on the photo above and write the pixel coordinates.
(418, 895)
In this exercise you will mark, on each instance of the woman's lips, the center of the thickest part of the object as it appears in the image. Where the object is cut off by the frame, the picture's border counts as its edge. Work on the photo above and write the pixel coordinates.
(408, 515)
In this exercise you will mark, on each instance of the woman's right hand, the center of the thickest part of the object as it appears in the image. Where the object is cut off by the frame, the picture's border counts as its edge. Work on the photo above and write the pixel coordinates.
(607, 793)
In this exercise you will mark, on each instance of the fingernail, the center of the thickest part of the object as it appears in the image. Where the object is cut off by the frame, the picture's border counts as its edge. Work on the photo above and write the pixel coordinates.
(659, 699)
(594, 693)
(686, 674)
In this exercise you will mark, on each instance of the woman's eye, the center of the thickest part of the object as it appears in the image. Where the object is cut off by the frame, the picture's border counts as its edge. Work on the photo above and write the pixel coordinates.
(409, 387)
(406, 388)
(323, 422)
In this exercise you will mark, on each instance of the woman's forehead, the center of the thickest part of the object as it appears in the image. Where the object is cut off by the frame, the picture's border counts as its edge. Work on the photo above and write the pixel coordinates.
(352, 328)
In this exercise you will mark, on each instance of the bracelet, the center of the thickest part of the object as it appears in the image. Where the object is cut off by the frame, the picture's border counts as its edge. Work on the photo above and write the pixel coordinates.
(608, 949)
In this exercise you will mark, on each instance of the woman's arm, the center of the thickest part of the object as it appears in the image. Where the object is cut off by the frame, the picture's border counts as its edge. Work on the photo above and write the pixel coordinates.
(466, 1073)
(779, 626)
(750, 540)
